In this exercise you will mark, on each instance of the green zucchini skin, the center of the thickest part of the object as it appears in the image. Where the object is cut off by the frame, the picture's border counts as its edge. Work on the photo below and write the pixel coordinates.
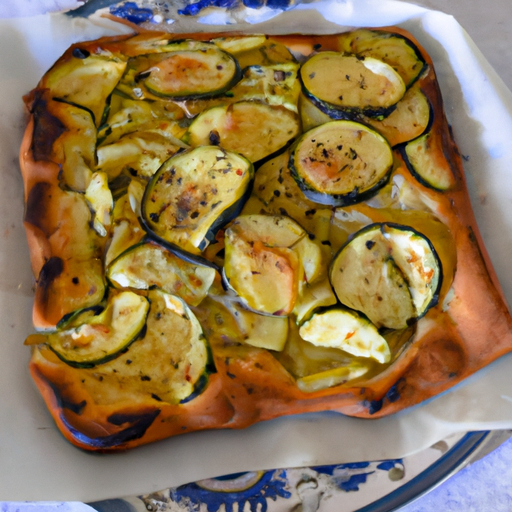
(347, 113)
(191, 95)
(140, 335)
(355, 195)
(91, 362)
(70, 318)
(364, 42)
(374, 345)
(202, 383)
(444, 179)
(351, 85)
(382, 228)
(147, 265)
(201, 192)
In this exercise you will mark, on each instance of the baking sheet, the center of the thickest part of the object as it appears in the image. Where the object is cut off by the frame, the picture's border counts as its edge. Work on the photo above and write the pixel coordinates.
(36, 463)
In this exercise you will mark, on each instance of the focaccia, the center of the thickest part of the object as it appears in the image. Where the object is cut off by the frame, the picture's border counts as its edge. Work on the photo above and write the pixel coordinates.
(226, 229)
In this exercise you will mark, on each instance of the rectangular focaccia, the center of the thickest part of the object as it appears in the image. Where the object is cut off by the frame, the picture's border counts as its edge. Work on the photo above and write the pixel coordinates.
(226, 229)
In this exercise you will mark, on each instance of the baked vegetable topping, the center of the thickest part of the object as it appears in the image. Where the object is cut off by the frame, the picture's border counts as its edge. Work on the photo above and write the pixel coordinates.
(352, 84)
(260, 265)
(166, 365)
(201, 73)
(428, 164)
(233, 127)
(348, 331)
(85, 79)
(262, 331)
(193, 194)
(100, 337)
(394, 49)
(341, 162)
(147, 265)
(389, 272)
(147, 221)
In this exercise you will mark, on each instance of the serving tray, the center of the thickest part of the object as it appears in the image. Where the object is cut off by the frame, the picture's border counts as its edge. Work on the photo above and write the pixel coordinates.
(376, 486)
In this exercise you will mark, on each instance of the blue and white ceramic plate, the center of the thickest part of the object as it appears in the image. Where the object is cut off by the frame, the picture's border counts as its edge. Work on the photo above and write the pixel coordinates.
(377, 486)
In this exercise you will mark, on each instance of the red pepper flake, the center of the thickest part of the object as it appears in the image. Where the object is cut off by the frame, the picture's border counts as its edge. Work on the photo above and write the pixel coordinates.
(239, 172)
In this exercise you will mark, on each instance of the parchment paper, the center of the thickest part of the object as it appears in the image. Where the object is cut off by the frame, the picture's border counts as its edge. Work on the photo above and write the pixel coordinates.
(36, 463)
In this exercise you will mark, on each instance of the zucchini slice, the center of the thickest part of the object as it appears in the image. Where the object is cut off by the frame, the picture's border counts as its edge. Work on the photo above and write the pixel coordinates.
(253, 129)
(193, 194)
(276, 85)
(313, 297)
(127, 115)
(317, 367)
(348, 331)
(126, 228)
(240, 44)
(426, 162)
(74, 150)
(260, 265)
(351, 85)
(331, 378)
(341, 163)
(261, 331)
(79, 317)
(269, 53)
(408, 121)
(142, 152)
(85, 79)
(168, 365)
(389, 272)
(394, 49)
(181, 75)
(147, 265)
(102, 337)
(99, 198)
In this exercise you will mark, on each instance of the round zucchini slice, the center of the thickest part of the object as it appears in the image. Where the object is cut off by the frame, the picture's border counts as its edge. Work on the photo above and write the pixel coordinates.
(170, 364)
(253, 129)
(389, 272)
(408, 121)
(102, 337)
(260, 264)
(394, 49)
(355, 85)
(195, 193)
(426, 161)
(182, 75)
(341, 163)
(147, 265)
(348, 331)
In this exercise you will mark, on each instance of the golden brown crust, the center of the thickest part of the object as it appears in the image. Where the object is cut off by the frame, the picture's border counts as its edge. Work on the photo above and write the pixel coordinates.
(250, 384)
